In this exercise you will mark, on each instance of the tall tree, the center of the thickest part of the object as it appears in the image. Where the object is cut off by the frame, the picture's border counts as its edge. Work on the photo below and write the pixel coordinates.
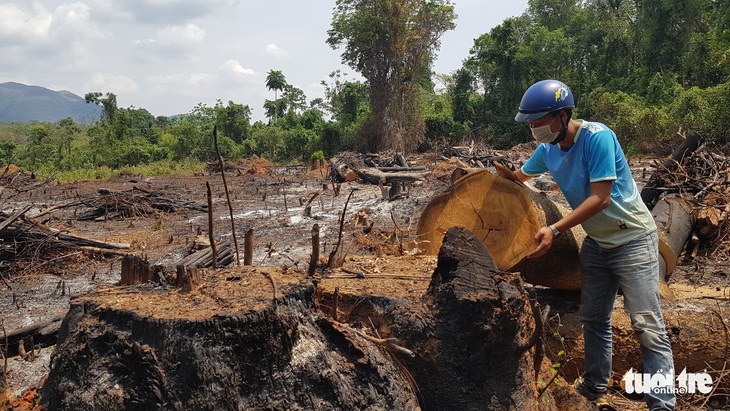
(389, 42)
(233, 120)
(276, 81)
(346, 100)
(108, 103)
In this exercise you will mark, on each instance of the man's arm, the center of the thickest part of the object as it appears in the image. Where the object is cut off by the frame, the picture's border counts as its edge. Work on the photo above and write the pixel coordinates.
(598, 201)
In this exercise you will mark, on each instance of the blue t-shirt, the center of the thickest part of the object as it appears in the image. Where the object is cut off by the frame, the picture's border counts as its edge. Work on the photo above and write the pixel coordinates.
(596, 156)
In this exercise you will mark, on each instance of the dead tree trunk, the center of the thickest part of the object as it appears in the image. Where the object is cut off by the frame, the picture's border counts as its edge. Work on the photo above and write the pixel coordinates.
(475, 346)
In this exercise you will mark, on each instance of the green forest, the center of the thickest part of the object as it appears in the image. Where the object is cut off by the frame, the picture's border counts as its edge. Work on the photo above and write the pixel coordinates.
(646, 68)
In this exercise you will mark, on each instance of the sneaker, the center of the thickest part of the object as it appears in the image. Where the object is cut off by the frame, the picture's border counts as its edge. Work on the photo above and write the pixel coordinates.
(590, 393)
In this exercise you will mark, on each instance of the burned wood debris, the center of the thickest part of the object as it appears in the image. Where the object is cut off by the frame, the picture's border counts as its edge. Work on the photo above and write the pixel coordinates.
(394, 175)
(14, 182)
(703, 178)
(26, 243)
(477, 156)
(131, 203)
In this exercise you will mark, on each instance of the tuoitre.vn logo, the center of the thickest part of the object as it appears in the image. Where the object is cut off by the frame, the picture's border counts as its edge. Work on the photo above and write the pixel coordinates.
(685, 383)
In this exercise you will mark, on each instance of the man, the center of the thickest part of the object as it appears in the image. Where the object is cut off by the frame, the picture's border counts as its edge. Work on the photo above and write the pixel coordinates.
(621, 247)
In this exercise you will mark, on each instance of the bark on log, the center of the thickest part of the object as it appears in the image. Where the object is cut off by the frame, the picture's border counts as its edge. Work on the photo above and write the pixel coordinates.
(674, 220)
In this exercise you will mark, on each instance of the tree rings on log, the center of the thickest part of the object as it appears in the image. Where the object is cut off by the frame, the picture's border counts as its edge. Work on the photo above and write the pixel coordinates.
(505, 215)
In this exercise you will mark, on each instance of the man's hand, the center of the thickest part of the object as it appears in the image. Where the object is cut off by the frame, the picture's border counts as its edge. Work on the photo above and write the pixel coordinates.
(544, 239)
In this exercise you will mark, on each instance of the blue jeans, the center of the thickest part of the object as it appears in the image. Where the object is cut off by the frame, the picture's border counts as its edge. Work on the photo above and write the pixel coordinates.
(635, 268)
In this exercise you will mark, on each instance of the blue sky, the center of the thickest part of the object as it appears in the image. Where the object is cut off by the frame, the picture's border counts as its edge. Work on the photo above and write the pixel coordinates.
(169, 55)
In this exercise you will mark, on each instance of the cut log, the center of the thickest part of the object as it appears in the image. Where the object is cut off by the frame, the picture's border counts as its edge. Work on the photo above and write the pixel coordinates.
(42, 332)
(674, 220)
(505, 215)
(375, 176)
(204, 258)
(13, 217)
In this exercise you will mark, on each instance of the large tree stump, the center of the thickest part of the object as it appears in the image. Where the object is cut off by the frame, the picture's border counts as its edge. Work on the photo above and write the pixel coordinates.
(475, 343)
(165, 350)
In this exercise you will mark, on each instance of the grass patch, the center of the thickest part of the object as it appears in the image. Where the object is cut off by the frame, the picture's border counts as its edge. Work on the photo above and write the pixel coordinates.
(105, 173)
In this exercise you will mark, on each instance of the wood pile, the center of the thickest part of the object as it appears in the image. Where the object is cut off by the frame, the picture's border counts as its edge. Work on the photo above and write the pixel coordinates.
(131, 203)
(703, 178)
(24, 241)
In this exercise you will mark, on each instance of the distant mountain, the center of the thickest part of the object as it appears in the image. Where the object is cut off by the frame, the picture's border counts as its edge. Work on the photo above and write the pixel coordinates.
(22, 103)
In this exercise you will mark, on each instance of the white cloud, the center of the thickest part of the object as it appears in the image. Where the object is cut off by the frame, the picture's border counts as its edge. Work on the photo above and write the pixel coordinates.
(274, 51)
(160, 11)
(233, 69)
(181, 36)
(19, 25)
(173, 42)
(36, 26)
(177, 85)
(111, 83)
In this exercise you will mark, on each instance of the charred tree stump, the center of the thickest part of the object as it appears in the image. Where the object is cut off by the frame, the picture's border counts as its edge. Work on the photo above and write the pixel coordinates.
(188, 278)
(474, 348)
(269, 357)
(135, 270)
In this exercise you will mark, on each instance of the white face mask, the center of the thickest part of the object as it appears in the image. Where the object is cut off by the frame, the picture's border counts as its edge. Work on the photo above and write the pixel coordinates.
(543, 134)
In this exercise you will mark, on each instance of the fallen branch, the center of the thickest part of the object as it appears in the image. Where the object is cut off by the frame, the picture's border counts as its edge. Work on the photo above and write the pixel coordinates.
(389, 343)
(14, 217)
